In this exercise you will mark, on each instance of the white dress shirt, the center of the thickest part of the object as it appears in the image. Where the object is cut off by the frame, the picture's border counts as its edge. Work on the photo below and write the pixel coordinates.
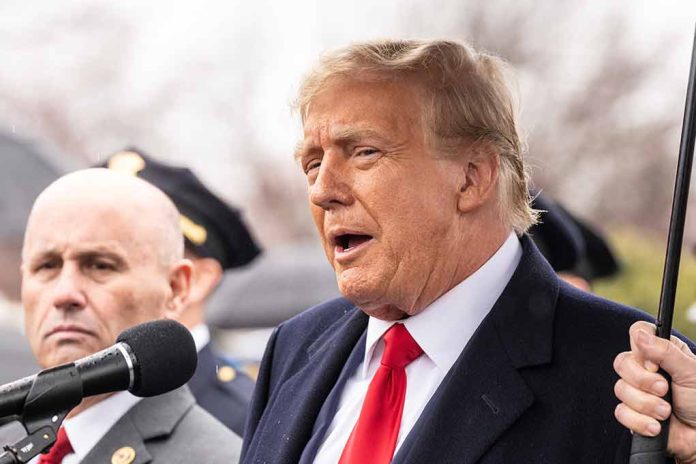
(201, 336)
(87, 428)
(442, 330)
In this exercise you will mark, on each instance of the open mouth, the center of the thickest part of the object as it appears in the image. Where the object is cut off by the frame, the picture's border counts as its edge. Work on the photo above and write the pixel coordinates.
(347, 242)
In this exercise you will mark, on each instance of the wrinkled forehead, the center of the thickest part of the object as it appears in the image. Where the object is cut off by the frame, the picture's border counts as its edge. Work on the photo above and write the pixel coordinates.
(82, 223)
(347, 109)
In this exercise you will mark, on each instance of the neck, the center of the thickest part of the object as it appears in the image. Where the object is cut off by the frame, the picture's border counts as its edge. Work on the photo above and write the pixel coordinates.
(454, 265)
(87, 403)
(193, 315)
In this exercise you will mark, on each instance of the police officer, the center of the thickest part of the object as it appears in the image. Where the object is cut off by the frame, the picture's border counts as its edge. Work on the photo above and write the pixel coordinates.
(216, 239)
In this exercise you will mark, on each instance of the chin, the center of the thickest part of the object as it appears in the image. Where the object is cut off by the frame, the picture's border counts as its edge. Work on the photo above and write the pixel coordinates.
(369, 296)
(65, 354)
(356, 288)
(384, 312)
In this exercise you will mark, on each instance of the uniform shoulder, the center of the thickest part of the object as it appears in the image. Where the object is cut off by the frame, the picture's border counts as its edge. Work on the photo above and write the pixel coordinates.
(233, 376)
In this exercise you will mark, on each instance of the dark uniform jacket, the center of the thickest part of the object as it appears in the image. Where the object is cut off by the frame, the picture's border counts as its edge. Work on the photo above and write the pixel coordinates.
(533, 385)
(222, 389)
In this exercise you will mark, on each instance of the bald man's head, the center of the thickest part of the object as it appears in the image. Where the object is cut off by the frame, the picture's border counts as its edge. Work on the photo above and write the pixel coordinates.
(103, 251)
(153, 218)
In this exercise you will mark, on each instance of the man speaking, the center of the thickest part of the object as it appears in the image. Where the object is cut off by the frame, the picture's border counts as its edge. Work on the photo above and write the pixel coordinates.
(455, 342)
(103, 252)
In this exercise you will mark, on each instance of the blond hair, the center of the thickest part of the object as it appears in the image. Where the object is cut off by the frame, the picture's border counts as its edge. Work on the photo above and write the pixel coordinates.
(468, 98)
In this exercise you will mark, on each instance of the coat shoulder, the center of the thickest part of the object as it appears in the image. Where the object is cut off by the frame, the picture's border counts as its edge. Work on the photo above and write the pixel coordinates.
(198, 437)
(584, 305)
(592, 328)
(320, 317)
(593, 317)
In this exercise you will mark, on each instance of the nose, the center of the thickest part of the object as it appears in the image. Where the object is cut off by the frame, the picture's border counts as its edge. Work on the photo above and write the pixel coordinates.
(68, 294)
(331, 188)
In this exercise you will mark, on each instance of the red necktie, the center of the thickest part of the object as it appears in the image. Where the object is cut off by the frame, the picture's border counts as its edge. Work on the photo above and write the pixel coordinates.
(60, 449)
(373, 439)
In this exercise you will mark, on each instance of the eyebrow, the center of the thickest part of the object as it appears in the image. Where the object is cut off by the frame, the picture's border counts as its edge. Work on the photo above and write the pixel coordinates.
(80, 254)
(300, 150)
(341, 136)
(92, 254)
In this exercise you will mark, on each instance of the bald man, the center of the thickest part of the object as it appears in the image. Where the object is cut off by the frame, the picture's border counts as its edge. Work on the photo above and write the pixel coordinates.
(103, 252)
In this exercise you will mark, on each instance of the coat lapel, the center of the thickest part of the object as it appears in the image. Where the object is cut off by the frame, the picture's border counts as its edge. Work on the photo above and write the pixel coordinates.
(302, 396)
(484, 392)
(123, 435)
(150, 418)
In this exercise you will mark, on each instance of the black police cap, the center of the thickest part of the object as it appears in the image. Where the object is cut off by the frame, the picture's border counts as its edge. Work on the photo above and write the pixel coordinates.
(211, 227)
(569, 244)
(557, 237)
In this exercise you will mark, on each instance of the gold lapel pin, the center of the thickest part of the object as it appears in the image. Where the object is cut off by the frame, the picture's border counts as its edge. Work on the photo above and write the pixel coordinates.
(226, 374)
(124, 455)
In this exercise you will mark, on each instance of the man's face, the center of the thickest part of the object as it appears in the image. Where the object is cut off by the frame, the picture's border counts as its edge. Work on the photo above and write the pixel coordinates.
(89, 272)
(384, 203)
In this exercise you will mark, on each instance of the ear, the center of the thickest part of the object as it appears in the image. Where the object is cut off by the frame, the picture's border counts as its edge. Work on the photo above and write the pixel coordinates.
(180, 284)
(207, 273)
(479, 177)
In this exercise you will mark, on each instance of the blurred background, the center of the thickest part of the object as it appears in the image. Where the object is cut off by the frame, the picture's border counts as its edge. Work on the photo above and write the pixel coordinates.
(210, 84)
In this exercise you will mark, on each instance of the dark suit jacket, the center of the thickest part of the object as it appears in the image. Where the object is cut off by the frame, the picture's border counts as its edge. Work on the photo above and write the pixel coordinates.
(533, 385)
(227, 401)
(168, 429)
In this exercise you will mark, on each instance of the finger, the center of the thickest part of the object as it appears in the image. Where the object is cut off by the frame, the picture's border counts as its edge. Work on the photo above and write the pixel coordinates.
(644, 403)
(632, 371)
(637, 422)
(670, 356)
(681, 344)
(634, 329)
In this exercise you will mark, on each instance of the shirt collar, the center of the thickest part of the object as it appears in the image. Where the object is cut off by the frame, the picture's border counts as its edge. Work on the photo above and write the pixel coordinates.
(444, 327)
(201, 336)
(87, 428)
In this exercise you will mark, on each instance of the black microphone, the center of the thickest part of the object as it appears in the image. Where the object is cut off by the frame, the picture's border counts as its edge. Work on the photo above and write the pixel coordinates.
(148, 359)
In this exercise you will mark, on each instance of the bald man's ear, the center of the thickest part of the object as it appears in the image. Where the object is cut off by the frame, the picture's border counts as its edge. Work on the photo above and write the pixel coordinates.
(480, 169)
(180, 284)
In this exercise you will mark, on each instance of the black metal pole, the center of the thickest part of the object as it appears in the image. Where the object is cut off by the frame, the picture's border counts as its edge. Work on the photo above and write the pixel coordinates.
(653, 450)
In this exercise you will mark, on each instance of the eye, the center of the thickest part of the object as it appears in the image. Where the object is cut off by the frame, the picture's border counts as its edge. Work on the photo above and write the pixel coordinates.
(100, 266)
(365, 151)
(312, 165)
(47, 265)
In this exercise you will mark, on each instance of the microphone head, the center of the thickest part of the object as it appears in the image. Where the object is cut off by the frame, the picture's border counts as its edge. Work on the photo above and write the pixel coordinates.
(165, 356)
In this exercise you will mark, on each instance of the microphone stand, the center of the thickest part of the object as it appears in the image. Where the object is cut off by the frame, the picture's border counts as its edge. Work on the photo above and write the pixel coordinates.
(53, 394)
(653, 450)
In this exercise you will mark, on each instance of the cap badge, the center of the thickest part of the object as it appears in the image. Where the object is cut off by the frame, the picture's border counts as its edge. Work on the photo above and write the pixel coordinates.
(196, 233)
(127, 161)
